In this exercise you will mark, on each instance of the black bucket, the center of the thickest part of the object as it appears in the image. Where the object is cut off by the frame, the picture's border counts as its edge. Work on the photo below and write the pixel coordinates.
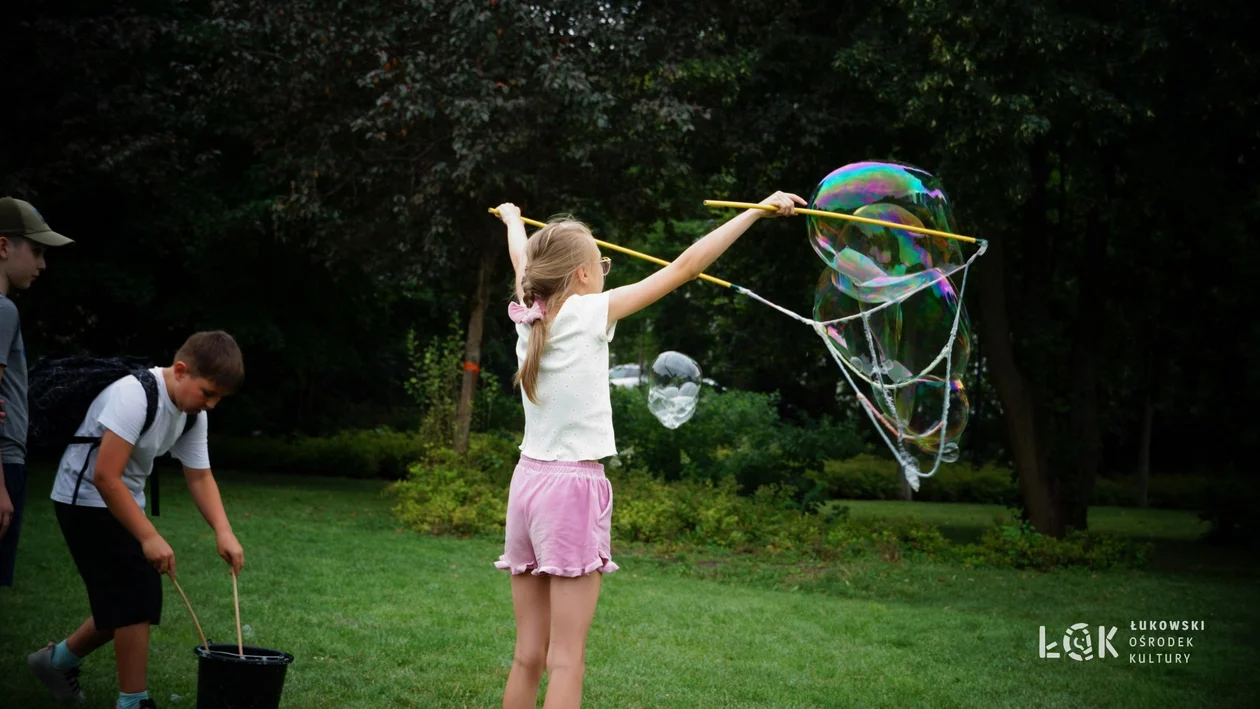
(225, 680)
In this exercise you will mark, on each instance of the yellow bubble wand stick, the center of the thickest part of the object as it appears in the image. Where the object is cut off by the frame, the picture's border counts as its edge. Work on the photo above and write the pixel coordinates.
(740, 289)
(630, 252)
(846, 217)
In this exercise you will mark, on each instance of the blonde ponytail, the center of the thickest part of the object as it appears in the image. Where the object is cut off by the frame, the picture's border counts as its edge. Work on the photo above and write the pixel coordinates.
(552, 257)
(527, 375)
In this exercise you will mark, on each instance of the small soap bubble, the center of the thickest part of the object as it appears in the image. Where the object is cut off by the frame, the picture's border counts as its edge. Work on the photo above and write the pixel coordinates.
(675, 388)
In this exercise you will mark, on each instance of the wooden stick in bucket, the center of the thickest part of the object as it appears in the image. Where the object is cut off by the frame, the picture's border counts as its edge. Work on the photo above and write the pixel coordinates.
(236, 600)
(190, 612)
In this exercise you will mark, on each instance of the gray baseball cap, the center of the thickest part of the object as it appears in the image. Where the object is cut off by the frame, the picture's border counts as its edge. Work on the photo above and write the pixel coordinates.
(19, 218)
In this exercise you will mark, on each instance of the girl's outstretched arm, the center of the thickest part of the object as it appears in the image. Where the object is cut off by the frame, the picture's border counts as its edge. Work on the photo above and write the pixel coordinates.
(511, 216)
(630, 299)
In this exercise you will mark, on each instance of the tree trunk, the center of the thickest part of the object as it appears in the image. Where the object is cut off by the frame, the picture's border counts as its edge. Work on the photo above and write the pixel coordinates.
(472, 350)
(1144, 449)
(1084, 426)
(1036, 481)
(907, 493)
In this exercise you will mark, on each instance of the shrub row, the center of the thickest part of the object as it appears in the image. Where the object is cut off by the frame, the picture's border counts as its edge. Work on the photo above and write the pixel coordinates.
(1018, 545)
(779, 455)
(444, 495)
(381, 453)
(734, 434)
(867, 477)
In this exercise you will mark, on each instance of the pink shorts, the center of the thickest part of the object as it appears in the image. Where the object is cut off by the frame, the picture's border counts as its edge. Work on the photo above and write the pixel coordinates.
(559, 519)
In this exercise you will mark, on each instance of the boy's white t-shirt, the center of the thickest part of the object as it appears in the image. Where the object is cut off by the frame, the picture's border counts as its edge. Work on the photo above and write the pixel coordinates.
(121, 408)
(573, 419)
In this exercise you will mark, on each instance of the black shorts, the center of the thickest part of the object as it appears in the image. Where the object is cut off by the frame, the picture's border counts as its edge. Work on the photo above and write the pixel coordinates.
(123, 588)
(15, 484)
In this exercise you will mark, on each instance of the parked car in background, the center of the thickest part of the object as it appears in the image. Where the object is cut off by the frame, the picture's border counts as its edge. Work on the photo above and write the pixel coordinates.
(625, 375)
(631, 375)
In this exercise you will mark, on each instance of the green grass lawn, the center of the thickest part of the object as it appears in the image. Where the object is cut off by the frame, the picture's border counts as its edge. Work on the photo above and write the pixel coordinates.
(380, 617)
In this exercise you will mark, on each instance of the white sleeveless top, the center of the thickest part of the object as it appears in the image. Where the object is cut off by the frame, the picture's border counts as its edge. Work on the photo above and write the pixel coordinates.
(573, 418)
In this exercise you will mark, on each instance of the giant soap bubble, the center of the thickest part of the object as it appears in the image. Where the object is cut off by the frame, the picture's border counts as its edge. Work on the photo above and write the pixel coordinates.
(907, 335)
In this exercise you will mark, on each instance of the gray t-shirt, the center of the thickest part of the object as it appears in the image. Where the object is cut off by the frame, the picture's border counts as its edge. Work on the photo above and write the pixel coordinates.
(13, 385)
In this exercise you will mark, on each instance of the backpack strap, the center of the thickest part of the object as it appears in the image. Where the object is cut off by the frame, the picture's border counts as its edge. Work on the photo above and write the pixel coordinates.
(87, 458)
(155, 498)
(188, 424)
(149, 383)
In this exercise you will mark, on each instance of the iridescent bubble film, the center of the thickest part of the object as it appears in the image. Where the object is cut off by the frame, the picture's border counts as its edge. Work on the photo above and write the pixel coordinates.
(918, 406)
(848, 339)
(909, 335)
(890, 192)
(675, 388)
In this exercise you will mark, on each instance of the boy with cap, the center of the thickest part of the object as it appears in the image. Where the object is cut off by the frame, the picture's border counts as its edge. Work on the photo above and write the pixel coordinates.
(24, 236)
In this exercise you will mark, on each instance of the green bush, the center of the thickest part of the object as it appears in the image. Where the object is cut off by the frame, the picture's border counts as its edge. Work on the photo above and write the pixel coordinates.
(445, 493)
(714, 514)
(1173, 492)
(496, 454)
(707, 513)
(862, 477)
(1114, 493)
(723, 422)
(734, 434)
(869, 477)
(902, 533)
(650, 510)
(353, 454)
(449, 499)
(1187, 492)
(991, 485)
(1018, 545)
(1231, 512)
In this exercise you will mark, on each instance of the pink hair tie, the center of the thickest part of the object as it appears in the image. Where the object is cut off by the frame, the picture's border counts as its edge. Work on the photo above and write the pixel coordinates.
(525, 316)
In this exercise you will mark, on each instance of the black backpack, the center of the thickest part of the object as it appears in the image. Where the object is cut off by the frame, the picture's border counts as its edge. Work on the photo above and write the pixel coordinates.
(60, 393)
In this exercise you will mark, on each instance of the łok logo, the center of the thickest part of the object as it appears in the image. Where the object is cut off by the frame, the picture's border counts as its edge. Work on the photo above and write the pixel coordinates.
(1079, 644)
